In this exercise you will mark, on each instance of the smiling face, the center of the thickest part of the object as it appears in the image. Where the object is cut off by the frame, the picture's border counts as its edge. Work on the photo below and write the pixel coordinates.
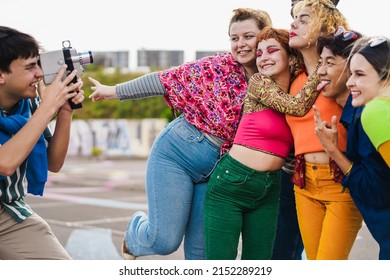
(333, 72)
(243, 43)
(364, 82)
(20, 82)
(273, 61)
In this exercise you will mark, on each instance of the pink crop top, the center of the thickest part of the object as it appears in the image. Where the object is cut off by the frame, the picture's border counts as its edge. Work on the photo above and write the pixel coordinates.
(266, 131)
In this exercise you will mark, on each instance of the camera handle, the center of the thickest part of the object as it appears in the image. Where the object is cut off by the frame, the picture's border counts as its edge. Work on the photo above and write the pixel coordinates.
(74, 80)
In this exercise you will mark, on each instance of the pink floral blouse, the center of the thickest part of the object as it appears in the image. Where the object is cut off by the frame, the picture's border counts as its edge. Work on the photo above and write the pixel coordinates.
(209, 92)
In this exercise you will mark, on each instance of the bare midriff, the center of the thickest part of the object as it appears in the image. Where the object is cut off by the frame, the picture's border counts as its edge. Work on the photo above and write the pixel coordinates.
(255, 159)
(318, 157)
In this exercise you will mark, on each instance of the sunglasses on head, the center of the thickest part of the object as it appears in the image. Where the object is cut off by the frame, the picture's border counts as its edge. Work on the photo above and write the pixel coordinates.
(346, 34)
(373, 42)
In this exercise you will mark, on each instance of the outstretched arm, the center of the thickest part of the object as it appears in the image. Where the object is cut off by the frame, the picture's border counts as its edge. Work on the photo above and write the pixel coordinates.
(145, 86)
(267, 92)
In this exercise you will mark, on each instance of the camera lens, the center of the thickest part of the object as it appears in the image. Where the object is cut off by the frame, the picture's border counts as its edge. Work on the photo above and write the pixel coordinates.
(83, 58)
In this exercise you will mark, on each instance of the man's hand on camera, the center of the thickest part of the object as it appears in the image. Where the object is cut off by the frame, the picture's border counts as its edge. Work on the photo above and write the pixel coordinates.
(58, 92)
(77, 99)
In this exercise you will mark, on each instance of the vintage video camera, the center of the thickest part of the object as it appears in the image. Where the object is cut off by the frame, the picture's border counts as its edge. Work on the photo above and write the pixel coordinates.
(51, 62)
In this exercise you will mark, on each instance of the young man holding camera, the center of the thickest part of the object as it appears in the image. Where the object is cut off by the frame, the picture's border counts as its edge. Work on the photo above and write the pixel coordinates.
(27, 148)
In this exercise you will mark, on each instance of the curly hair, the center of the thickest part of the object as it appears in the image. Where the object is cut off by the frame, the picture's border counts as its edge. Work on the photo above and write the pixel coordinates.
(325, 16)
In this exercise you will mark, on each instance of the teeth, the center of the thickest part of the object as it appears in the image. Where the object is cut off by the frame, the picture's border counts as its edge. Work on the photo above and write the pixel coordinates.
(266, 66)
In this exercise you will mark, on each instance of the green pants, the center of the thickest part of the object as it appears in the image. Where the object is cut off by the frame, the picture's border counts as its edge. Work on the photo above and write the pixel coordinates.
(240, 200)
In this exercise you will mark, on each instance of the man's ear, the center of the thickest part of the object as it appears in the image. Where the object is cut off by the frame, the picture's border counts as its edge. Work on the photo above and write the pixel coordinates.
(2, 80)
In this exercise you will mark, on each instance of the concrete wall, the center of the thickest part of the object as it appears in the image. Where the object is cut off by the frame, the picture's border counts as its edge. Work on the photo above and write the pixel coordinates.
(113, 138)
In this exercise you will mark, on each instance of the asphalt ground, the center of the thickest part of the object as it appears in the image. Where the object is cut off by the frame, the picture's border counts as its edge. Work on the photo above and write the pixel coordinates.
(89, 203)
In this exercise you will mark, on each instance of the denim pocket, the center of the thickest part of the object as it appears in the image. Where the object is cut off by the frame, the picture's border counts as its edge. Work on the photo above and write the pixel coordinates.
(187, 146)
(187, 132)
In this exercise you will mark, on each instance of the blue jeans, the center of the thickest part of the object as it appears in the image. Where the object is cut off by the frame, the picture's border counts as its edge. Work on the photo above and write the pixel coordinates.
(179, 165)
(288, 243)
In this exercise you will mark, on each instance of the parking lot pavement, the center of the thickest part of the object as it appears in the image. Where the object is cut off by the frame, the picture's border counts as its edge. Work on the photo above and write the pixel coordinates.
(89, 203)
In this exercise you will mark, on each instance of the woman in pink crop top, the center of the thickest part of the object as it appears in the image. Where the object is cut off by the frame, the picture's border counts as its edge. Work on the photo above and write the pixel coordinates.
(243, 192)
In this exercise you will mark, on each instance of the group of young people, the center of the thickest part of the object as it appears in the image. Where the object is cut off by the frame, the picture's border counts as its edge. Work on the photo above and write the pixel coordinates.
(273, 145)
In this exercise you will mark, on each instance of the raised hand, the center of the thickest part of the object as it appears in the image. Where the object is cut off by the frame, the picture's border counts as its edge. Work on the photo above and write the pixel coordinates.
(102, 92)
(327, 134)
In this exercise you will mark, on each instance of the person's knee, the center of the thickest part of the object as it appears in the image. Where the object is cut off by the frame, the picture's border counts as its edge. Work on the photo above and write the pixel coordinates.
(167, 246)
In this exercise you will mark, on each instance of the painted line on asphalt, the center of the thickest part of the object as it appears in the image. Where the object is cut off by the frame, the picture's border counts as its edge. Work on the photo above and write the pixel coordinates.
(92, 244)
(97, 201)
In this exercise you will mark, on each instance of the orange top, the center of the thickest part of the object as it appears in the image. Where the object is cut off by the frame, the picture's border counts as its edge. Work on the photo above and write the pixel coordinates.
(302, 128)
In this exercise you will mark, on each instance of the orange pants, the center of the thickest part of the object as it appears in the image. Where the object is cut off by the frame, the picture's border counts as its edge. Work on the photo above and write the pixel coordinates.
(328, 218)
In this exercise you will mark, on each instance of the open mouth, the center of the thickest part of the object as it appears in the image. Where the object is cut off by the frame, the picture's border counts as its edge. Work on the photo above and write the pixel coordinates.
(266, 66)
(243, 52)
(322, 85)
(34, 84)
(355, 93)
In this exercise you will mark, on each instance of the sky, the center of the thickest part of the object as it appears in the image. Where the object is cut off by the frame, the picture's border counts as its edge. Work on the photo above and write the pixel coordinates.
(189, 25)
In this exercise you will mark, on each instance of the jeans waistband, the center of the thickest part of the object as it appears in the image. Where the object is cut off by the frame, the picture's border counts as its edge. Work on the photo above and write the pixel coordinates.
(214, 139)
(235, 164)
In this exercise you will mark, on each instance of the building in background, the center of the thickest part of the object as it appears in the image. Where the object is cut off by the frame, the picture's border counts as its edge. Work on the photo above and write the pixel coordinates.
(159, 58)
(145, 59)
(113, 137)
(114, 59)
(200, 54)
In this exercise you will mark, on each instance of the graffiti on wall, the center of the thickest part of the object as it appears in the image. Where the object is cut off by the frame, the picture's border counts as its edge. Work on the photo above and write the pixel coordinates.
(108, 137)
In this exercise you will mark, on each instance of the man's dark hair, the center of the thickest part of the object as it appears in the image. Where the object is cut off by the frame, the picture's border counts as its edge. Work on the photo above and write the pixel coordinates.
(338, 45)
(14, 45)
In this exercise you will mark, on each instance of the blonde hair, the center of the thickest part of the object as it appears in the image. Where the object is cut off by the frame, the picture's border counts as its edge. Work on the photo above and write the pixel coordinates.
(325, 16)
